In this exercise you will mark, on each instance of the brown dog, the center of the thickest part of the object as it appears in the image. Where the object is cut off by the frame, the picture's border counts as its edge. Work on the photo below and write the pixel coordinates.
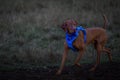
(97, 36)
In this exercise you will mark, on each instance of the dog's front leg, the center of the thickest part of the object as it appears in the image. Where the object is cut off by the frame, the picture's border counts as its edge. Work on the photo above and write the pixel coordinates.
(81, 52)
(63, 59)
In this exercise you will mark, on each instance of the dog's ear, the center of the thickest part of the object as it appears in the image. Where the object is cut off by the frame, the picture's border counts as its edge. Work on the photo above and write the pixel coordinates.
(63, 26)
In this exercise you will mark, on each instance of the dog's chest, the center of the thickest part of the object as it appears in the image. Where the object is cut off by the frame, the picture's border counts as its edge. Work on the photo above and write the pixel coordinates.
(79, 42)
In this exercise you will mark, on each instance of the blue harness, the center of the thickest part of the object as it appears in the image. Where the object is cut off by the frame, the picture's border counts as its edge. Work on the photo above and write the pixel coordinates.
(70, 38)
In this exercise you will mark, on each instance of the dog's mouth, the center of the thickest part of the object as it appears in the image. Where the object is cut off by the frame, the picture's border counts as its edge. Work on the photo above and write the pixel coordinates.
(71, 29)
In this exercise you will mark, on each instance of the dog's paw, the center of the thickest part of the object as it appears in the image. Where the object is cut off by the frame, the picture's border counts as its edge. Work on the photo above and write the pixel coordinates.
(78, 65)
(58, 72)
(92, 69)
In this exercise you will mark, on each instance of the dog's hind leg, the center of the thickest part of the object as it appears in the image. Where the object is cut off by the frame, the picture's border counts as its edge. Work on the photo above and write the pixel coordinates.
(106, 50)
(98, 47)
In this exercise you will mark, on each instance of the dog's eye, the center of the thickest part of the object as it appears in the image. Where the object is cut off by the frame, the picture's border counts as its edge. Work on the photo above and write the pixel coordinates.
(75, 23)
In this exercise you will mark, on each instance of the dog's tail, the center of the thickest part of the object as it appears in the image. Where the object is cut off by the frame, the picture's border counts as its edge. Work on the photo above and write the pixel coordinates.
(105, 21)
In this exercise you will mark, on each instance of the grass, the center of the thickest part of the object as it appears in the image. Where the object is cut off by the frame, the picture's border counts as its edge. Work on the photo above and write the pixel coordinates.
(30, 32)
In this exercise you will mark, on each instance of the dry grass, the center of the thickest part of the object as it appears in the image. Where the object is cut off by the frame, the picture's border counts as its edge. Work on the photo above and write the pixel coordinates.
(30, 33)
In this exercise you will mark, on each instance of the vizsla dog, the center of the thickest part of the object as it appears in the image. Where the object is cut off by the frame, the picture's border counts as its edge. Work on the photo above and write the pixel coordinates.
(97, 36)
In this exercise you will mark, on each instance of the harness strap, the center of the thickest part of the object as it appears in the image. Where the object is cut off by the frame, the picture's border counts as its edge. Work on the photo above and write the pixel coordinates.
(84, 32)
(70, 38)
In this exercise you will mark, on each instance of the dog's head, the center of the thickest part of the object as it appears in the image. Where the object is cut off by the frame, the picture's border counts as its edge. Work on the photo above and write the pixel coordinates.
(69, 26)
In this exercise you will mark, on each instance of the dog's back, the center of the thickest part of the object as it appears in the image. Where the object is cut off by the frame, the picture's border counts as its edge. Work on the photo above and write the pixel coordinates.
(96, 34)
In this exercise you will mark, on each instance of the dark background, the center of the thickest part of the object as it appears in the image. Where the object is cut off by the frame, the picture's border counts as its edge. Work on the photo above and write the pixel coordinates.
(30, 32)
(31, 40)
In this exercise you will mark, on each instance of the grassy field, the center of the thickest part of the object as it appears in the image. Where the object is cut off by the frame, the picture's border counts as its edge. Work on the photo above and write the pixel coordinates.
(30, 32)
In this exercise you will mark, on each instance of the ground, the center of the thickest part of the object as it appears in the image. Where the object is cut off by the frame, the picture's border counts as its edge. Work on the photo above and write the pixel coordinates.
(105, 71)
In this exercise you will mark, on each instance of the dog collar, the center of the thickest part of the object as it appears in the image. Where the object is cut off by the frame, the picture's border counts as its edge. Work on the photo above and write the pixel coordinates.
(70, 38)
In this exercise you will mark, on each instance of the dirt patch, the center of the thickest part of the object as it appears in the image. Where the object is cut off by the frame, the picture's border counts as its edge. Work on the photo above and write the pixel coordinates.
(106, 71)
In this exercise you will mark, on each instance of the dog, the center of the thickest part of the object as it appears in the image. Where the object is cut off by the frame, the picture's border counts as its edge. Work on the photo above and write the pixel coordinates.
(96, 35)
